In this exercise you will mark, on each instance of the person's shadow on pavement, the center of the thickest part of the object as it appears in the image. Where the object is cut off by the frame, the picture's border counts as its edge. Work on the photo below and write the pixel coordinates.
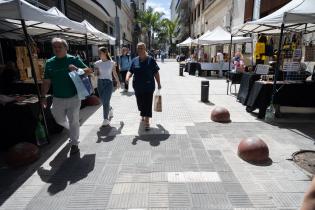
(109, 133)
(154, 135)
(66, 170)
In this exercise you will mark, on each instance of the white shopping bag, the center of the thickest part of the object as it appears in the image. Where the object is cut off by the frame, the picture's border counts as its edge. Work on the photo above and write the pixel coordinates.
(158, 102)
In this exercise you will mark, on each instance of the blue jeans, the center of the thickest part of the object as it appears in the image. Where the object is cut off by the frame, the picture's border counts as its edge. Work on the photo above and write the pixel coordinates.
(105, 89)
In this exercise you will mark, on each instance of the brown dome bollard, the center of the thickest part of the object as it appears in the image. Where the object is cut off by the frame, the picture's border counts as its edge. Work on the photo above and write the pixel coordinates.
(22, 154)
(220, 114)
(92, 101)
(253, 150)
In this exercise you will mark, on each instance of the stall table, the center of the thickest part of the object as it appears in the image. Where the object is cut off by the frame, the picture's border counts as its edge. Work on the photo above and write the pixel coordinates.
(19, 120)
(294, 94)
(192, 67)
(247, 81)
(208, 68)
(233, 78)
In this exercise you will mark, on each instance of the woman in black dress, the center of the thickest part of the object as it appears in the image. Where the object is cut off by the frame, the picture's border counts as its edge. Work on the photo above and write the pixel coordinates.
(145, 71)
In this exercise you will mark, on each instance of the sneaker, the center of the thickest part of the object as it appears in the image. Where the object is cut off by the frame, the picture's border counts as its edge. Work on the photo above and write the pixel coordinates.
(111, 114)
(74, 149)
(105, 123)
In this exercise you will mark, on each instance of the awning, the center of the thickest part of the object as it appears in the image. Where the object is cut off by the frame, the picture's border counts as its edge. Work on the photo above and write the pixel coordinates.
(196, 41)
(38, 21)
(297, 15)
(187, 43)
(221, 36)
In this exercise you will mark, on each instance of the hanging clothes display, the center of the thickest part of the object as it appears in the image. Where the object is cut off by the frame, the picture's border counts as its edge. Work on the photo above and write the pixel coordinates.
(287, 47)
(269, 47)
(260, 50)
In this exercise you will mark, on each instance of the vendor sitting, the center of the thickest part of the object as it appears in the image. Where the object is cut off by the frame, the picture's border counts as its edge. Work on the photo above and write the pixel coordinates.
(238, 62)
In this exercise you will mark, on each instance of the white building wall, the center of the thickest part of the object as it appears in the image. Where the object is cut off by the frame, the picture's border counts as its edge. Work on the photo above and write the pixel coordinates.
(125, 15)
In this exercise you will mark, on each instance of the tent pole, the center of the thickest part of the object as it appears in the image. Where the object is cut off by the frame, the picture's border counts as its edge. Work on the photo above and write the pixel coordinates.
(28, 46)
(87, 49)
(274, 90)
(230, 55)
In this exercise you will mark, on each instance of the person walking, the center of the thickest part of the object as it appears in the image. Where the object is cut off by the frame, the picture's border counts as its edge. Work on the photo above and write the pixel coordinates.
(104, 69)
(124, 64)
(66, 103)
(162, 56)
(144, 70)
(220, 59)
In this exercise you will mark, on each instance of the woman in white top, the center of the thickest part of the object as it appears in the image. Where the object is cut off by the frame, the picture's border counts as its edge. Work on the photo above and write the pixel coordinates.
(104, 69)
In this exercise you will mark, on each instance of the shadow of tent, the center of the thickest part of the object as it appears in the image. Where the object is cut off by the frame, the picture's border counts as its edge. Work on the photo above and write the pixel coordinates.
(64, 170)
(109, 133)
(305, 130)
(154, 136)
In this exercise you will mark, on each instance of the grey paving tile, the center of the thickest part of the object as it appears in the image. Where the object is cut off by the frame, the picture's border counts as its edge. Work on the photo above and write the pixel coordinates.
(211, 201)
(137, 188)
(179, 200)
(262, 200)
(158, 200)
(128, 201)
(177, 188)
(239, 200)
(158, 188)
(287, 200)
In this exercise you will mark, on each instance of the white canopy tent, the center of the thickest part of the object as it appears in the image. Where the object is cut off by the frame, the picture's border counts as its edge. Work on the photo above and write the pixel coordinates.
(221, 36)
(196, 41)
(92, 31)
(19, 19)
(187, 43)
(36, 20)
(91, 35)
(297, 15)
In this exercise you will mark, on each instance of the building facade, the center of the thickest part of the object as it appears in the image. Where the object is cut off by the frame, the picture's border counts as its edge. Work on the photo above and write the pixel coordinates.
(208, 14)
(180, 10)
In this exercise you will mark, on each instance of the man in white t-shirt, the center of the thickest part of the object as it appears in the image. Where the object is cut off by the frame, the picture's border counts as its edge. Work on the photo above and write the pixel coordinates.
(220, 60)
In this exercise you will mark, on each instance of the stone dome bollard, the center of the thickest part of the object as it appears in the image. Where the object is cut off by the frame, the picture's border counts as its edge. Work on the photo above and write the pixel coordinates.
(253, 150)
(92, 101)
(22, 154)
(220, 114)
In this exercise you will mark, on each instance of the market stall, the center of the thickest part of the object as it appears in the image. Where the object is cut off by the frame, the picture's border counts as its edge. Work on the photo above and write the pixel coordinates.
(290, 23)
(22, 21)
(216, 37)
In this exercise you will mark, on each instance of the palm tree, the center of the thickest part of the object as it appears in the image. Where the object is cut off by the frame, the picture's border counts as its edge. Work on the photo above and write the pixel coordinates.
(150, 22)
(170, 28)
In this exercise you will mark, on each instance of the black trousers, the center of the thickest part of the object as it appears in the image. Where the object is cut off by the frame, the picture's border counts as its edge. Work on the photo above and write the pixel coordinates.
(144, 102)
(123, 78)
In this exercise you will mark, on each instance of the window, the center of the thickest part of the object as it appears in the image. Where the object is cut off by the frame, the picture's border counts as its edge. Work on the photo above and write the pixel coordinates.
(203, 4)
(198, 8)
(111, 31)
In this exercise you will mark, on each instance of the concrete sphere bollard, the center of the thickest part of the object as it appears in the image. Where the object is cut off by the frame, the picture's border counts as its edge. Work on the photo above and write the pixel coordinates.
(22, 154)
(92, 101)
(253, 150)
(220, 114)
